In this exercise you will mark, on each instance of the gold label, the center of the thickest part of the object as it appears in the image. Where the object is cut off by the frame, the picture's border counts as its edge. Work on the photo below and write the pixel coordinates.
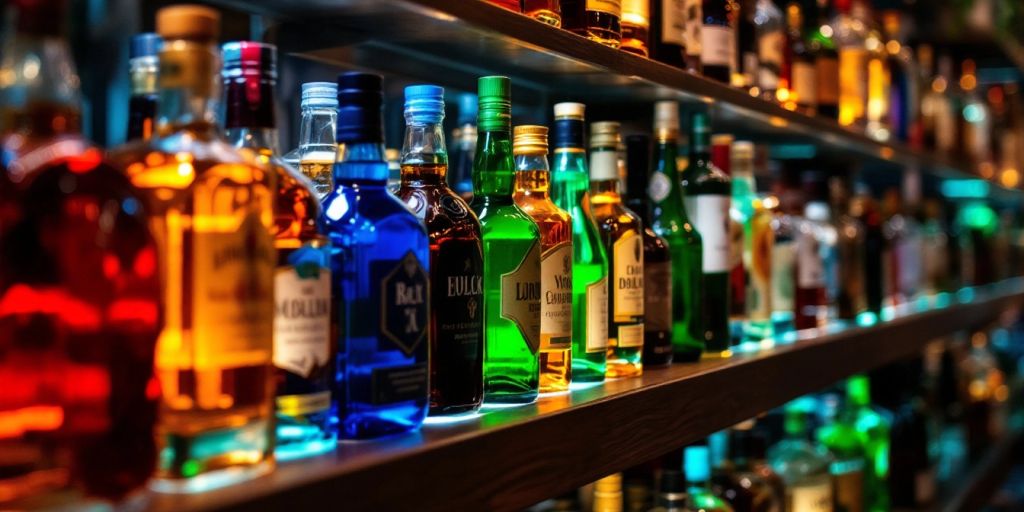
(636, 9)
(556, 298)
(608, 6)
(759, 303)
(850, 491)
(597, 316)
(826, 80)
(810, 497)
(630, 336)
(628, 277)
(302, 319)
(694, 23)
(520, 297)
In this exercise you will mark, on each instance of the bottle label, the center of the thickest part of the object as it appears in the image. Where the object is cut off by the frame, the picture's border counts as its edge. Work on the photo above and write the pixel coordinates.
(853, 88)
(759, 293)
(850, 490)
(636, 11)
(718, 44)
(456, 271)
(804, 77)
(924, 486)
(658, 296)
(302, 314)
(659, 187)
(628, 277)
(809, 266)
(630, 336)
(597, 316)
(520, 297)
(783, 262)
(609, 6)
(769, 53)
(694, 25)
(811, 498)
(232, 298)
(710, 215)
(398, 384)
(673, 22)
(750, 64)
(826, 80)
(404, 304)
(556, 298)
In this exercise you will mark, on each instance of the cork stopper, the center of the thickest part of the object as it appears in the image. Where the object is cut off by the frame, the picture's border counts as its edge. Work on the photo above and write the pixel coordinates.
(530, 139)
(605, 134)
(191, 22)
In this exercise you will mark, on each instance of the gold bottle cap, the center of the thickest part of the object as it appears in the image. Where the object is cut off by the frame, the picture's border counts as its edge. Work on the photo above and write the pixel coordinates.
(721, 139)
(570, 110)
(609, 484)
(743, 149)
(605, 134)
(192, 22)
(666, 120)
(530, 139)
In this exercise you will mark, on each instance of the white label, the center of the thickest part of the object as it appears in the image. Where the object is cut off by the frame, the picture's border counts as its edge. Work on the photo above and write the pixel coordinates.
(673, 21)
(710, 215)
(811, 498)
(804, 83)
(924, 486)
(604, 165)
(769, 53)
(301, 320)
(694, 24)
(628, 277)
(659, 187)
(783, 261)
(556, 298)
(717, 45)
(809, 267)
(597, 316)
(630, 336)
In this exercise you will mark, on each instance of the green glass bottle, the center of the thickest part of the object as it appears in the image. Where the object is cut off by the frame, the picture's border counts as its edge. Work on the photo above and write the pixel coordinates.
(873, 427)
(803, 465)
(570, 190)
(669, 221)
(621, 232)
(708, 193)
(847, 467)
(511, 242)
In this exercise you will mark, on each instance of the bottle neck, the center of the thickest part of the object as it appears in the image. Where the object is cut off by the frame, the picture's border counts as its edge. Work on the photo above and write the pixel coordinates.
(604, 167)
(261, 140)
(532, 175)
(41, 97)
(700, 142)
(317, 126)
(493, 165)
(144, 72)
(249, 119)
(189, 83)
(424, 158)
(361, 161)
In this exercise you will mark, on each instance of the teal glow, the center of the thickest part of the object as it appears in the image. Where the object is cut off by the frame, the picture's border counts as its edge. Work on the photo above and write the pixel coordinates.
(888, 313)
(451, 419)
(965, 295)
(794, 151)
(973, 113)
(697, 463)
(942, 300)
(867, 319)
(978, 215)
(965, 189)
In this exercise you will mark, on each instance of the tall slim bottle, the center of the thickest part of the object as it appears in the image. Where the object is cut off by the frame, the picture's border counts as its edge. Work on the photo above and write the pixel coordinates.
(770, 29)
(511, 239)
(144, 66)
(460, 175)
(304, 371)
(708, 192)
(380, 258)
(718, 39)
(669, 220)
(721, 157)
(826, 62)
(570, 191)
(622, 235)
(851, 41)
(533, 179)
(815, 256)
(317, 148)
(668, 30)
(456, 257)
(850, 251)
(657, 257)
(757, 245)
(212, 213)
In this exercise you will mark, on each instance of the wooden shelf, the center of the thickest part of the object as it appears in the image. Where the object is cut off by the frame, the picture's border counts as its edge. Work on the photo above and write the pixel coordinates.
(507, 459)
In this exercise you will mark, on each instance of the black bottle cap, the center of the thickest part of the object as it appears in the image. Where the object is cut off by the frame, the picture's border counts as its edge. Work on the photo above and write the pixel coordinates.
(360, 108)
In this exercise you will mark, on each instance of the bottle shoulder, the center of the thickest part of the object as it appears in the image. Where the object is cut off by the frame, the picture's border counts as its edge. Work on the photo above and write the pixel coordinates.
(368, 207)
(441, 210)
(505, 220)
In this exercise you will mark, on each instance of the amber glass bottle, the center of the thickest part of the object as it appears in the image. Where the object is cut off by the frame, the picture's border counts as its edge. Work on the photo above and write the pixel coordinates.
(544, 10)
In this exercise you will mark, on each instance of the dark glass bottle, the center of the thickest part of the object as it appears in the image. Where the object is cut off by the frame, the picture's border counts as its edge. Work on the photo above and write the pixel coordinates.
(851, 299)
(813, 252)
(657, 257)
(718, 39)
(456, 257)
(826, 61)
(143, 62)
(865, 208)
(79, 290)
(745, 76)
(798, 64)
(460, 172)
(668, 27)
(574, 16)
(708, 195)
(751, 485)
(911, 469)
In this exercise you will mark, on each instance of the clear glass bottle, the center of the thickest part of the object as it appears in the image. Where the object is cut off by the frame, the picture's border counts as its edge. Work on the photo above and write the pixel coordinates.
(143, 63)
(976, 120)
(756, 248)
(851, 300)
(803, 465)
(771, 44)
(786, 205)
(816, 276)
(317, 149)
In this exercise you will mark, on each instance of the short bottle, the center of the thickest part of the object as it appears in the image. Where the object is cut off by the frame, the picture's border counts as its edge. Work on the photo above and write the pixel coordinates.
(697, 467)
(380, 261)
(143, 62)
(600, 20)
(547, 11)
(303, 352)
(803, 465)
(317, 149)
(622, 235)
(456, 257)
(636, 23)
(512, 253)
(570, 191)
(532, 185)
(671, 495)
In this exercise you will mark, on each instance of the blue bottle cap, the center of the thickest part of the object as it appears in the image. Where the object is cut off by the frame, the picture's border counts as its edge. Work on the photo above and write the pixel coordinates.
(147, 44)
(320, 94)
(360, 108)
(467, 108)
(424, 104)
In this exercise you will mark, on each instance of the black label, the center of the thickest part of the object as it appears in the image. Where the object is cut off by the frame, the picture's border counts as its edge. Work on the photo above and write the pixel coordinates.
(404, 309)
(399, 383)
(457, 286)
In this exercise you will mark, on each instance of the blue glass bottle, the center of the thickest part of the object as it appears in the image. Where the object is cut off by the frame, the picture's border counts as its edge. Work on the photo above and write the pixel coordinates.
(379, 264)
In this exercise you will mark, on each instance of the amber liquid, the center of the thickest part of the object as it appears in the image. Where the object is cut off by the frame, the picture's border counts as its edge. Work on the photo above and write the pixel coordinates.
(604, 28)
(512, 5)
(635, 38)
(319, 170)
(531, 194)
(543, 10)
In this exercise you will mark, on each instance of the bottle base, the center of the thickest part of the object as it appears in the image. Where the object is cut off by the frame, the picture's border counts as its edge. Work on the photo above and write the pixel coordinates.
(382, 422)
(620, 370)
(449, 410)
(197, 462)
(212, 479)
(510, 399)
(687, 356)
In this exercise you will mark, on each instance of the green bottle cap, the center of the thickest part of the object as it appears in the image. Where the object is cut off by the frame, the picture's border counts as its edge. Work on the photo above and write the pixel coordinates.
(495, 103)
(858, 390)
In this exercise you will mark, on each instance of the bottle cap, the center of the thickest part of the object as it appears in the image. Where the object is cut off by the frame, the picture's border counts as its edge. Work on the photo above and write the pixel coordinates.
(605, 134)
(720, 148)
(570, 110)
(743, 150)
(666, 120)
(424, 104)
(530, 139)
(192, 22)
(320, 94)
(467, 108)
(249, 59)
(494, 103)
(147, 44)
(568, 125)
(360, 108)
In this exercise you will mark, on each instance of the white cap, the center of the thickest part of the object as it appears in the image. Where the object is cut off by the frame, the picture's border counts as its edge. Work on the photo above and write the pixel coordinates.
(570, 110)
(743, 149)
(666, 116)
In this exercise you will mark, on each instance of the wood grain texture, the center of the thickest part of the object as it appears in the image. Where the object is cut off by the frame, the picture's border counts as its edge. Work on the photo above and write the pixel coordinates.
(512, 458)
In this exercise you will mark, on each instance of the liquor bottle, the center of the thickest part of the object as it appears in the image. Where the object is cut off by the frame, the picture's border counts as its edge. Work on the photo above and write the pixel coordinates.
(512, 273)
(143, 63)
(755, 247)
(912, 472)
(785, 230)
(903, 115)
(460, 177)
(751, 485)
(879, 75)
(546, 11)
(851, 241)
(798, 64)
(79, 292)
(532, 182)
(669, 220)
(211, 210)
(692, 38)
(718, 39)
(672, 492)
(456, 257)
(636, 26)
(317, 149)
(622, 235)
(697, 468)
(839, 435)
(975, 120)
(570, 190)
(745, 75)
(708, 192)
(947, 109)
(304, 370)
(574, 16)
(602, 22)
(668, 31)
(771, 44)
(815, 256)
(865, 209)
(872, 426)
(638, 487)
(803, 466)
(850, 35)
(935, 253)
(379, 263)
(721, 157)
(826, 62)
(658, 280)
(608, 494)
